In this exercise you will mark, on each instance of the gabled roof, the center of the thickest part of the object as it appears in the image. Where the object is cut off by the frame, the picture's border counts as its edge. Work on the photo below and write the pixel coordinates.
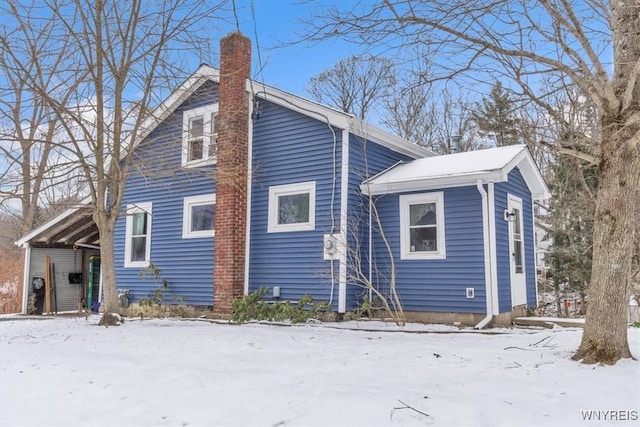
(73, 226)
(304, 106)
(454, 170)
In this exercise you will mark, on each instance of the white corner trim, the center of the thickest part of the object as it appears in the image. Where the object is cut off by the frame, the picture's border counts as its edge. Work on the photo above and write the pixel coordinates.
(188, 202)
(247, 241)
(276, 191)
(25, 275)
(344, 200)
(405, 201)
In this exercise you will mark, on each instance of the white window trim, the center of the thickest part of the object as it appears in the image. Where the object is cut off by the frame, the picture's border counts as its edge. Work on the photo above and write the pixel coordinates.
(131, 210)
(207, 112)
(276, 191)
(189, 202)
(405, 239)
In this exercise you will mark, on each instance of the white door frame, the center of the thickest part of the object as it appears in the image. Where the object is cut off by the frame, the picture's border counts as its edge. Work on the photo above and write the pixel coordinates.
(516, 258)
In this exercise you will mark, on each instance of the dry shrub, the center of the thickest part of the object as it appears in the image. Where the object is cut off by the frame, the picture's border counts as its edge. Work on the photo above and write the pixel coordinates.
(11, 270)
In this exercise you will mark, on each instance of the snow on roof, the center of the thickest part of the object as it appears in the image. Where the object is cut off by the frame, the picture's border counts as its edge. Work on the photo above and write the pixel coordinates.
(490, 165)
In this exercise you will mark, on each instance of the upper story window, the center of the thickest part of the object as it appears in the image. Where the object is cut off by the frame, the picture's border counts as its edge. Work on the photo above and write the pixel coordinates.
(199, 135)
(137, 249)
(422, 226)
(292, 207)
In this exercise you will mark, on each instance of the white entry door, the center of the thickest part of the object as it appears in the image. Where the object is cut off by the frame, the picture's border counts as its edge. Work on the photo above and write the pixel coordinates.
(516, 251)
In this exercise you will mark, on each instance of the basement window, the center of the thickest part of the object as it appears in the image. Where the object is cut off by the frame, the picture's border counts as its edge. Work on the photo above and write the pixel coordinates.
(137, 250)
(198, 216)
(199, 136)
(292, 207)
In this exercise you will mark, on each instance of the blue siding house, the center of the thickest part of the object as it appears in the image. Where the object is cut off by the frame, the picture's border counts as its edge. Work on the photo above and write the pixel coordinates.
(318, 195)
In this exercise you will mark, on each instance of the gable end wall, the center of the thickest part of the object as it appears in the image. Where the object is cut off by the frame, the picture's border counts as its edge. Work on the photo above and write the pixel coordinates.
(515, 185)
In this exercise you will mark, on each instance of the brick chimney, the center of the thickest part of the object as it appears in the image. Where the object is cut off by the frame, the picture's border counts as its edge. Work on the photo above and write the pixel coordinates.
(231, 172)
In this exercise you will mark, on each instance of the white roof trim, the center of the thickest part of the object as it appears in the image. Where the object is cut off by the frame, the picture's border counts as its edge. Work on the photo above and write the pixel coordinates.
(61, 217)
(384, 183)
(297, 103)
(338, 119)
(177, 97)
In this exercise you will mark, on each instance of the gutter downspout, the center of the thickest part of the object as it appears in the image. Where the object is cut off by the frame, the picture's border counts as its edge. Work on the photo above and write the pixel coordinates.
(25, 277)
(344, 200)
(370, 250)
(487, 257)
(493, 249)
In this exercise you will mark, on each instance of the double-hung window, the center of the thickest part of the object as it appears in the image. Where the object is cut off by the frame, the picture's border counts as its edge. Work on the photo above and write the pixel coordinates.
(422, 226)
(292, 207)
(199, 216)
(199, 135)
(137, 251)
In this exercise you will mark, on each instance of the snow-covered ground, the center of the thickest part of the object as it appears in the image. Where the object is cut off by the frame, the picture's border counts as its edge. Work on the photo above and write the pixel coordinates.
(71, 372)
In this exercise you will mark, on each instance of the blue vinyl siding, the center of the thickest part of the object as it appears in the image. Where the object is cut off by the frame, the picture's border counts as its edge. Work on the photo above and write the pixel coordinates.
(187, 264)
(366, 159)
(440, 285)
(290, 148)
(515, 185)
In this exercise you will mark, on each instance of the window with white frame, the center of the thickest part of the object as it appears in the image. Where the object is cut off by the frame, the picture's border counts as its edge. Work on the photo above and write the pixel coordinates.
(292, 207)
(422, 226)
(199, 135)
(137, 250)
(198, 217)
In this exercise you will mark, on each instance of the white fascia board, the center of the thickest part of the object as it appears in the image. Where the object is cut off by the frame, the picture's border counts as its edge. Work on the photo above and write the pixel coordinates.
(430, 183)
(301, 105)
(338, 119)
(175, 99)
(388, 140)
(64, 215)
(530, 173)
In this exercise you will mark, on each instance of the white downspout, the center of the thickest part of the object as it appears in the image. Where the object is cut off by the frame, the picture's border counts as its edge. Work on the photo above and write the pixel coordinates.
(370, 249)
(487, 256)
(25, 276)
(344, 193)
(492, 249)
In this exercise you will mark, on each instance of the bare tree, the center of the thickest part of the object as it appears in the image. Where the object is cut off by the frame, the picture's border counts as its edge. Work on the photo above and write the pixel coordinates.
(354, 85)
(436, 120)
(121, 59)
(31, 167)
(558, 41)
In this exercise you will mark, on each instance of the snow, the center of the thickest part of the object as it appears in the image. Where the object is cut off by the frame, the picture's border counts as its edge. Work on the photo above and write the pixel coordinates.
(69, 371)
(458, 164)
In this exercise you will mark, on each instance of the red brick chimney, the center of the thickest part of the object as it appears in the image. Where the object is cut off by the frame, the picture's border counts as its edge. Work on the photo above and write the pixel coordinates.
(231, 172)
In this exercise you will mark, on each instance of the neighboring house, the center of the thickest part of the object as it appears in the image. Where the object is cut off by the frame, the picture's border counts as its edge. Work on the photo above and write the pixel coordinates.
(241, 186)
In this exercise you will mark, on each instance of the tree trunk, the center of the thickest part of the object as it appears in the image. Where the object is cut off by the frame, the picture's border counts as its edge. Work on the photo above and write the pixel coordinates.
(108, 268)
(558, 297)
(605, 333)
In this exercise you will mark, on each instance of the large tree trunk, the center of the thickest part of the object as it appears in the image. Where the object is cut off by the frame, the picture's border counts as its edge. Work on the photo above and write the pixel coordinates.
(108, 267)
(605, 334)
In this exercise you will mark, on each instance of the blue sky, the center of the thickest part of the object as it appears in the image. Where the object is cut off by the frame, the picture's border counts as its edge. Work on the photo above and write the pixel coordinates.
(280, 21)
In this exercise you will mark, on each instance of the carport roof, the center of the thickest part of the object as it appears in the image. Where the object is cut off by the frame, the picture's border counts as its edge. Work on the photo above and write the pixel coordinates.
(75, 226)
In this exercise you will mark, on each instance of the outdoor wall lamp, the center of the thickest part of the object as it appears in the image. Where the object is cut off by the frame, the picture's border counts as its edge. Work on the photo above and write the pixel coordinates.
(509, 216)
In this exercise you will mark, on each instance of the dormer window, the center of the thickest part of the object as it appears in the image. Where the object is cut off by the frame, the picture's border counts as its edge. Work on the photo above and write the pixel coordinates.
(200, 135)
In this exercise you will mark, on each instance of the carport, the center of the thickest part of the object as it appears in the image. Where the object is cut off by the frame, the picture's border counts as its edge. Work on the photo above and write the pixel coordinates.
(65, 251)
